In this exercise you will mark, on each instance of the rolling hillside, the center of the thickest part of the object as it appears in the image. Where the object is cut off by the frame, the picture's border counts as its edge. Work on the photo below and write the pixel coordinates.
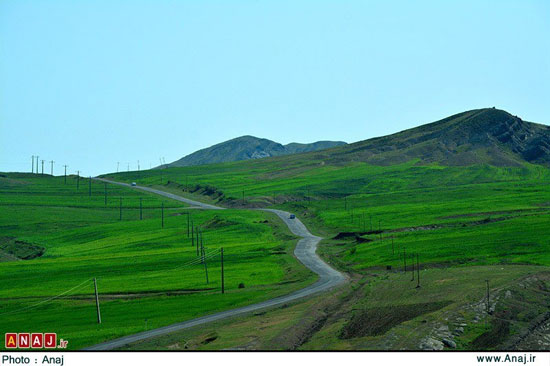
(248, 147)
(483, 136)
(462, 200)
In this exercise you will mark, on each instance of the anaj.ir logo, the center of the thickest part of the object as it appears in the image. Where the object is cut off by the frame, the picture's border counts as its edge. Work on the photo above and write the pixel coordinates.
(34, 340)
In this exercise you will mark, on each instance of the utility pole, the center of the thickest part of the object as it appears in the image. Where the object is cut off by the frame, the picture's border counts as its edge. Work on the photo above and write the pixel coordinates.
(77, 179)
(32, 170)
(37, 164)
(120, 215)
(42, 166)
(141, 208)
(51, 167)
(404, 261)
(223, 280)
(197, 240)
(417, 271)
(188, 224)
(412, 272)
(138, 165)
(162, 214)
(204, 262)
(192, 234)
(97, 303)
(488, 307)
(65, 179)
(90, 186)
(105, 192)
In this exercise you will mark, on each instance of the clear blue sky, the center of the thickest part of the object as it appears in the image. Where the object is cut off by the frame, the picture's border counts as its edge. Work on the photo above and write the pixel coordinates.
(90, 83)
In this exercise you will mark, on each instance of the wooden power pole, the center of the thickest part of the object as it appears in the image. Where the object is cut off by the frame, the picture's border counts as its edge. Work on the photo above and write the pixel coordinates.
(417, 271)
(197, 240)
(412, 272)
(204, 262)
(97, 302)
(404, 261)
(223, 279)
(488, 307)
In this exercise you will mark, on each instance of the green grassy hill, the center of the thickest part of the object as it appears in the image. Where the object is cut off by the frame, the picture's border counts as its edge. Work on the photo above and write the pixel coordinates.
(469, 194)
(54, 239)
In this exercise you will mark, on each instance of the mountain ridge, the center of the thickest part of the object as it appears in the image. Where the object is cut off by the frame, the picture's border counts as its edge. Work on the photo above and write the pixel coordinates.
(480, 136)
(246, 148)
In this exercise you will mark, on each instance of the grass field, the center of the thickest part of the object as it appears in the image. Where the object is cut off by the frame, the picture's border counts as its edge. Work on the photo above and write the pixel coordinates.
(476, 214)
(382, 312)
(148, 276)
(471, 219)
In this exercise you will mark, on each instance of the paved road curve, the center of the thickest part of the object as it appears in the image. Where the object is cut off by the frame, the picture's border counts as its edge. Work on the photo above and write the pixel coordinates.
(305, 252)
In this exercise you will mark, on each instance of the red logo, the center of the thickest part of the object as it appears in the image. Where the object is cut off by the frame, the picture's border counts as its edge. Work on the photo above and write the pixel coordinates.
(11, 340)
(34, 340)
(37, 340)
(24, 340)
(49, 340)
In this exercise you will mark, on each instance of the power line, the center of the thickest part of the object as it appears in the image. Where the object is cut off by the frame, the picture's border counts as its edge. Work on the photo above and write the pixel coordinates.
(46, 300)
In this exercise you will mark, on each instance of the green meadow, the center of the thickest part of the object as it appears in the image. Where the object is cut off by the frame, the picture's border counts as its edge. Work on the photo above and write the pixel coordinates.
(374, 218)
(148, 275)
(478, 214)
(467, 224)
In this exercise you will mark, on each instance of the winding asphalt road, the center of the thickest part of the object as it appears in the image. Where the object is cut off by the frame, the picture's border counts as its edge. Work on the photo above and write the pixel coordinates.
(304, 251)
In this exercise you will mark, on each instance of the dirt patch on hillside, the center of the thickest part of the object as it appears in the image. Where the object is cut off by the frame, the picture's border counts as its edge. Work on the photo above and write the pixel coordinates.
(218, 222)
(357, 236)
(377, 321)
(488, 220)
(11, 247)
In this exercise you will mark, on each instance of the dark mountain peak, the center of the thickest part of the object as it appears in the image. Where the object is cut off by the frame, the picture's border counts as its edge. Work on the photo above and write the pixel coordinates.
(247, 147)
(480, 136)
